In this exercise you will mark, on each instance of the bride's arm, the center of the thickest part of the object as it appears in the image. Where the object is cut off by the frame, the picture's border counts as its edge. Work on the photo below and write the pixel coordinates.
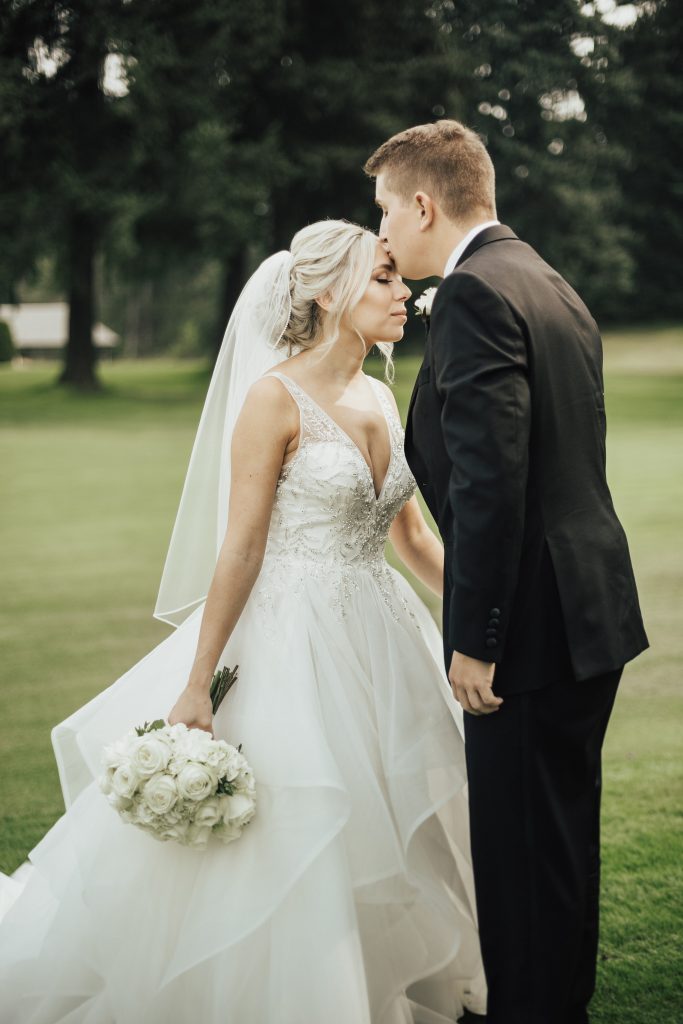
(413, 541)
(417, 547)
(266, 426)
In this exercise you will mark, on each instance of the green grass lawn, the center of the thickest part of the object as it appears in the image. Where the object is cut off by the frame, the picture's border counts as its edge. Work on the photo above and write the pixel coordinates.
(90, 487)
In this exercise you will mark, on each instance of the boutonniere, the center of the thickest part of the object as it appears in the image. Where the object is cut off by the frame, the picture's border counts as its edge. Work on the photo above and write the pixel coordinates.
(423, 305)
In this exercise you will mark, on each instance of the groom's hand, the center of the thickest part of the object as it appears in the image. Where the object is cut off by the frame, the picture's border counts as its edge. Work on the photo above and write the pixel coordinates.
(472, 684)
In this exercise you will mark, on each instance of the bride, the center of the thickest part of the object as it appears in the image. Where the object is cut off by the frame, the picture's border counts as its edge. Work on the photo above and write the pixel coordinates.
(349, 898)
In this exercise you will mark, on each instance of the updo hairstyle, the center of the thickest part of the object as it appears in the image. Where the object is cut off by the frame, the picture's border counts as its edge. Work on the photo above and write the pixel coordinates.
(335, 259)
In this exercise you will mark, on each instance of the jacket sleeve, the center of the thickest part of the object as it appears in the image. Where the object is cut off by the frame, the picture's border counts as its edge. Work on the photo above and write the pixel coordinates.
(481, 376)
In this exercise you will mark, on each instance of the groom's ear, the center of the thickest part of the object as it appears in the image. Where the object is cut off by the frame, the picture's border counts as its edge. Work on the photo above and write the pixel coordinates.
(425, 206)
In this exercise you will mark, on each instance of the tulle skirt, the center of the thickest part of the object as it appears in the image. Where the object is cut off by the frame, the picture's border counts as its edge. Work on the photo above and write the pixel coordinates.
(347, 900)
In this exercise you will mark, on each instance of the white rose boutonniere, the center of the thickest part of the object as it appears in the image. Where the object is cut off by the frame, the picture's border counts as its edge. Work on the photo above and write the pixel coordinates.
(423, 305)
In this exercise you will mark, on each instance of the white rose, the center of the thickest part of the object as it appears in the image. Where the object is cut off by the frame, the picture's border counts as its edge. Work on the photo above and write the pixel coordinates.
(104, 781)
(160, 793)
(144, 815)
(227, 833)
(196, 744)
(245, 782)
(219, 755)
(238, 809)
(175, 832)
(151, 756)
(125, 779)
(179, 812)
(120, 803)
(196, 782)
(233, 764)
(198, 836)
(208, 812)
(116, 754)
(423, 305)
(177, 763)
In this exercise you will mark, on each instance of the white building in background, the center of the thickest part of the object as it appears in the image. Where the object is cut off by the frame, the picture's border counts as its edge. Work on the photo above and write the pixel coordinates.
(41, 329)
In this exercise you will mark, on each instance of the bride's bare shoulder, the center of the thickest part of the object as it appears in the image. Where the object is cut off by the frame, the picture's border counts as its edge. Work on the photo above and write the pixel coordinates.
(269, 394)
(268, 408)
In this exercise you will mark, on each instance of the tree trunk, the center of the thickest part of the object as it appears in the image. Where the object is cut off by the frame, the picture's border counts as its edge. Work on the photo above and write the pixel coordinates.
(235, 272)
(81, 356)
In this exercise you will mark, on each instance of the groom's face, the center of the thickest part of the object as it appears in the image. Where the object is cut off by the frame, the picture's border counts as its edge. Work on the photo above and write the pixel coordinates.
(400, 231)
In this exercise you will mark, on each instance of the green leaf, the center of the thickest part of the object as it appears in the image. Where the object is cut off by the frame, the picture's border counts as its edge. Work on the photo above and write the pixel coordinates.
(158, 723)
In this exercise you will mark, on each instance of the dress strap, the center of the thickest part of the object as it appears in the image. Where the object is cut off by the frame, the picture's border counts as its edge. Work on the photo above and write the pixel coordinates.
(394, 424)
(287, 381)
(315, 423)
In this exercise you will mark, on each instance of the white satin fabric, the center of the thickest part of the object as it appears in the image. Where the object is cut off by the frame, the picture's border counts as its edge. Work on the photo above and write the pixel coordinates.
(349, 898)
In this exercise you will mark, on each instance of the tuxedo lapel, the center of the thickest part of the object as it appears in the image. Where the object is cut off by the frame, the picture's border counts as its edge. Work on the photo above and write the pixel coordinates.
(409, 417)
(496, 233)
(411, 403)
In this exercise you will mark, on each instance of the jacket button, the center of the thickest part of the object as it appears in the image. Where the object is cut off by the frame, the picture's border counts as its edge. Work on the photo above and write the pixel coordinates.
(494, 622)
(491, 642)
(494, 611)
(491, 632)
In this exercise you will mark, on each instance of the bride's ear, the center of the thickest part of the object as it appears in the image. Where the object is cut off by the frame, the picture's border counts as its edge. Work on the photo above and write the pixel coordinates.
(325, 301)
(425, 206)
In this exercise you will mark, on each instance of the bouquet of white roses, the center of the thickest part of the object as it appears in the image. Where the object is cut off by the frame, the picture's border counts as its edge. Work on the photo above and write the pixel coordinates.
(179, 783)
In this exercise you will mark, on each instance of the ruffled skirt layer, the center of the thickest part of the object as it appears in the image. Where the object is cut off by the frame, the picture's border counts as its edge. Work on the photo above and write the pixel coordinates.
(349, 897)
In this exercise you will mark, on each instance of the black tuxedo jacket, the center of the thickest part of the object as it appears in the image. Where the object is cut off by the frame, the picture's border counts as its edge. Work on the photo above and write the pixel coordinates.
(506, 439)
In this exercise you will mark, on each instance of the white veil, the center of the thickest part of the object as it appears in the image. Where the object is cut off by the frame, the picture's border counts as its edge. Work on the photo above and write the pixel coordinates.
(249, 348)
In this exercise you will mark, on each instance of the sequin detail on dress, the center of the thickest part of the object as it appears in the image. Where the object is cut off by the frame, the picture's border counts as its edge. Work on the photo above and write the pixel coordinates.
(328, 523)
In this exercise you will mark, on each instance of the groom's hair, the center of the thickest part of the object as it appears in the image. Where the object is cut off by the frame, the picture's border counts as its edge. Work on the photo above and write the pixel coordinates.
(446, 160)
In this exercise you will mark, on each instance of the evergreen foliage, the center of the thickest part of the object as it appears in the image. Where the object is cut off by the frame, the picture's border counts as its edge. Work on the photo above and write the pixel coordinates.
(156, 151)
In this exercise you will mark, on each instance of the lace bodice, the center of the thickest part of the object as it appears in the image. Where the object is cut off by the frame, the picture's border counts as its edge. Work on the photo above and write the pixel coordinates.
(328, 523)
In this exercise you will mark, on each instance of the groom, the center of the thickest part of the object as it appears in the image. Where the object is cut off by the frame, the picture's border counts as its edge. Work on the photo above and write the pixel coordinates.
(506, 438)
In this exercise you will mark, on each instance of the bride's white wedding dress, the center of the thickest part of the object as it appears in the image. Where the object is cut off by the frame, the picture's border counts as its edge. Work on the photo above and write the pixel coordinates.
(349, 897)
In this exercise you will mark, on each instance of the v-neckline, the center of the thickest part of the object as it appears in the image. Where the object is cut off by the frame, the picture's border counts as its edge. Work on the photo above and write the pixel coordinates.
(345, 434)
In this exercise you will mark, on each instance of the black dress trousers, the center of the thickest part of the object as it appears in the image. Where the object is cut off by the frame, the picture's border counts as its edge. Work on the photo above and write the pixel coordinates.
(534, 771)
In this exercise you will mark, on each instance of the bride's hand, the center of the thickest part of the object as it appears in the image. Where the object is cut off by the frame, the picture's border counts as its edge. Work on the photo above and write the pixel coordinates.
(193, 707)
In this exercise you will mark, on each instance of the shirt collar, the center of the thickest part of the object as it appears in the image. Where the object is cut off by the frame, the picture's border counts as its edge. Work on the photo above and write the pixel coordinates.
(463, 243)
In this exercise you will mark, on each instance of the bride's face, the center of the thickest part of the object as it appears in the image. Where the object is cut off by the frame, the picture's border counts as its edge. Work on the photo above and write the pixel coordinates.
(381, 313)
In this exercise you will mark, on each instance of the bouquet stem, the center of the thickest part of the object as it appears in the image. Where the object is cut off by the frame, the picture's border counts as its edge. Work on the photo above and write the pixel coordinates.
(220, 684)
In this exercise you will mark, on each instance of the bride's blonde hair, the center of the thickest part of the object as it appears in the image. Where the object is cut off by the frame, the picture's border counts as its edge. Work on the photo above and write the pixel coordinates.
(332, 259)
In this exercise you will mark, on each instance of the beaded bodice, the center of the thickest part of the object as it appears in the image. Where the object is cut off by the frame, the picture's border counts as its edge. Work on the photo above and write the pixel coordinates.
(328, 523)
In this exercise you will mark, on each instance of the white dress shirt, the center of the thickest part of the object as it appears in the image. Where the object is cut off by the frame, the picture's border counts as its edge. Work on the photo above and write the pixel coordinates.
(462, 245)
